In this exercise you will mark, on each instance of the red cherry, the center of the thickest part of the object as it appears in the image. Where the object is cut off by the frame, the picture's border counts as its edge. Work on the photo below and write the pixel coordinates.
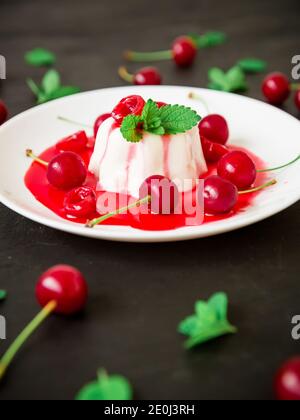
(287, 381)
(66, 171)
(238, 168)
(148, 76)
(214, 127)
(213, 151)
(80, 202)
(160, 104)
(3, 113)
(276, 88)
(184, 51)
(66, 286)
(220, 195)
(297, 99)
(132, 105)
(163, 192)
(75, 143)
(99, 121)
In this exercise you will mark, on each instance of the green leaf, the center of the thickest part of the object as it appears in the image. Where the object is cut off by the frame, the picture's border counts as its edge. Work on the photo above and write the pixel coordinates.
(210, 39)
(3, 294)
(207, 334)
(206, 313)
(64, 91)
(40, 57)
(189, 326)
(130, 130)
(219, 303)
(177, 119)
(252, 65)
(114, 387)
(51, 82)
(150, 115)
(218, 78)
(236, 79)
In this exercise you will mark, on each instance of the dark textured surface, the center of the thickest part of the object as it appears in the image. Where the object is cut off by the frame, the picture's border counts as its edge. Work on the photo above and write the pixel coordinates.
(140, 292)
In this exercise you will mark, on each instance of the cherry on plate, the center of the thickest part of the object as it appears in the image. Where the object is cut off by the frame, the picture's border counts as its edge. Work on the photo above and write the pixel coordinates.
(220, 195)
(3, 112)
(276, 88)
(75, 143)
(66, 171)
(213, 151)
(184, 51)
(287, 381)
(214, 127)
(99, 121)
(131, 105)
(238, 168)
(163, 192)
(80, 202)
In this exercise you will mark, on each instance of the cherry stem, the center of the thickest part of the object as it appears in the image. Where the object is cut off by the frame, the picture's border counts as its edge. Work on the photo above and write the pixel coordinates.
(196, 97)
(94, 222)
(261, 187)
(23, 337)
(73, 122)
(295, 86)
(29, 153)
(280, 167)
(125, 75)
(148, 56)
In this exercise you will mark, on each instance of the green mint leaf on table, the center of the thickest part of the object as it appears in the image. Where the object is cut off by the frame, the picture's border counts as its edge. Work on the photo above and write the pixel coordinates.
(63, 91)
(130, 129)
(209, 322)
(252, 65)
(3, 295)
(40, 57)
(210, 39)
(232, 81)
(51, 82)
(113, 387)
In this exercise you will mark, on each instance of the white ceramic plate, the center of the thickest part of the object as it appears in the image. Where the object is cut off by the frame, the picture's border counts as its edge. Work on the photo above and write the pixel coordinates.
(268, 132)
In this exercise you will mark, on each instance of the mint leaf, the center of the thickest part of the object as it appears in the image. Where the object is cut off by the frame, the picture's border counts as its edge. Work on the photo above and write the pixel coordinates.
(208, 322)
(3, 294)
(40, 57)
(51, 82)
(218, 78)
(63, 91)
(232, 81)
(113, 387)
(252, 65)
(210, 39)
(177, 119)
(130, 130)
(150, 115)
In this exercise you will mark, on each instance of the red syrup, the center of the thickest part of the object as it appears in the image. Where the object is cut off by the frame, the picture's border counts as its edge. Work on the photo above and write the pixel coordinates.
(53, 199)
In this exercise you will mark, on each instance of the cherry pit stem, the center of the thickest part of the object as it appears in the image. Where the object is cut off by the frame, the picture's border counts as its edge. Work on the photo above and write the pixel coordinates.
(30, 154)
(295, 86)
(260, 187)
(94, 222)
(73, 122)
(23, 337)
(280, 167)
(125, 75)
(196, 97)
(139, 57)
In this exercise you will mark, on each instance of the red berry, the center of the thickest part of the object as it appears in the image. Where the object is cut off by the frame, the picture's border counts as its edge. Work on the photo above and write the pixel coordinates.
(80, 202)
(66, 171)
(184, 52)
(297, 99)
(3, 113)
(65, 285)
(160, 104)
(148, 76)
(238, 168)
(99, 121)
(75, 143)
(213, 151)
(163, 192)
(220, 195)
(287, 381)
(214, 127)
(276, 88)
(132, 105)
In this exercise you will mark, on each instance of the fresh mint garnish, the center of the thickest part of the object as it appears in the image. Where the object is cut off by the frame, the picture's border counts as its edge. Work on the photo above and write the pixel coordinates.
(40, 57)
(252, 65)
(169, 119)
(232, 81)
(209, 321)
(210, 39)
(3, 294)
(50, 88)
(106, 387)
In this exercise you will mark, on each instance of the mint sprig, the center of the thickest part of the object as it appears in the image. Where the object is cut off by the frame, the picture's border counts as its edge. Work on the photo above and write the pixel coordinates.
(209, 321)
(252, 65)
(106, 387)
(167, 120)
(209, 39)
(3, 294)
(50, 88)
(234, 80)
(40, 57)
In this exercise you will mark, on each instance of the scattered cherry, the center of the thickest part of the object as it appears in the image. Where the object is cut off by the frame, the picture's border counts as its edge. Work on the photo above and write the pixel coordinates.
(132, 105)
(238, 168)
(163, 192)
(213, 151)
(287, 381)
(75, 143)
(99, 121)
(220, 195)
(80, 202)
(276, 88)
(184, 51)
(66, 286)
(3, 112)
(214, 127)
(65, 171)
(297, 99)
(145, 76)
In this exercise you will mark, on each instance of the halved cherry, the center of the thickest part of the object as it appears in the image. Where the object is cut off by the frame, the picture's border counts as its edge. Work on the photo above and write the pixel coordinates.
(75, 143)
(80, 202)
(131, 105)
(213, 152)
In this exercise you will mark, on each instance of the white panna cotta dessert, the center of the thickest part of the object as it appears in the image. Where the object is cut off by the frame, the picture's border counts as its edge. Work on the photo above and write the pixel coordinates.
(121, 166)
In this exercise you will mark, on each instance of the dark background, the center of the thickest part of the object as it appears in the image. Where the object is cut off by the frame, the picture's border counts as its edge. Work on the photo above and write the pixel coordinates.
(139, 293)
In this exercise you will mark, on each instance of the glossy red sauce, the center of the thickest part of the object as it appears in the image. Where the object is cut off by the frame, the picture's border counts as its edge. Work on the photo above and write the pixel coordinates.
(53, 199)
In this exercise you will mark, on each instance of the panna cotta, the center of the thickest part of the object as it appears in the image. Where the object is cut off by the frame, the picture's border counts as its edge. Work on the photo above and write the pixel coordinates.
(121, 166)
